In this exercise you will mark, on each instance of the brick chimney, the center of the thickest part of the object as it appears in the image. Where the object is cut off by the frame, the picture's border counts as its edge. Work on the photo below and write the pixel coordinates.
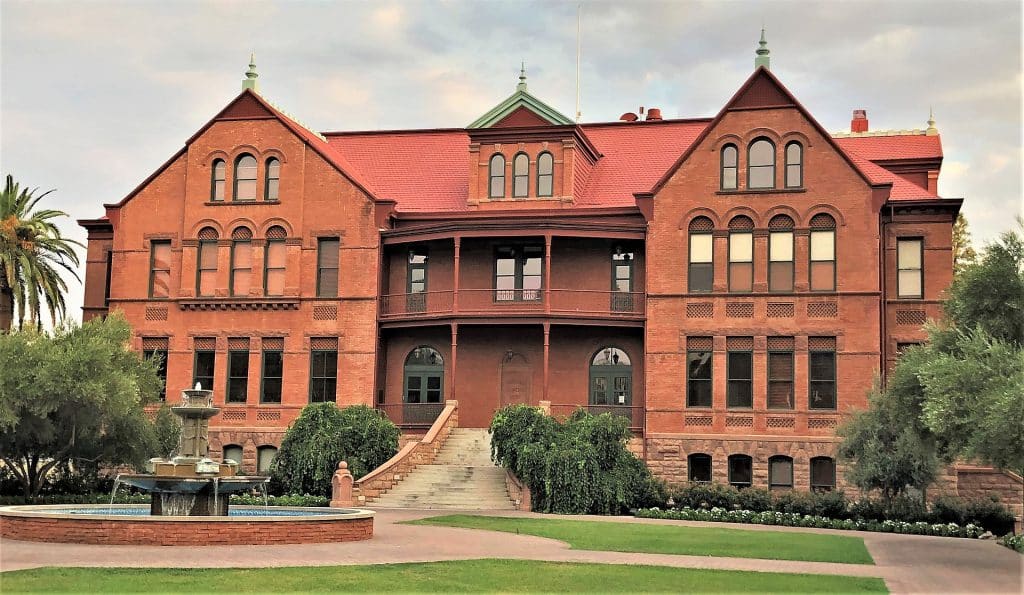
(859, 123)
(653, 114)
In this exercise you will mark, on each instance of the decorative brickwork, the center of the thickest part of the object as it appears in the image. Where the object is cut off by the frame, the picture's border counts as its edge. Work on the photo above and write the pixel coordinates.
(232, 415)
(780, 310)
(699, 420)
(821, 343)
(273, 343)
(268, 415)
(156, 313)
(822, 309)
(699, 343)
(781, 343)
(739, 309)
(238, 343)
(152, 343)
(739, 343)
(739, 422)
(821, 423)
(325, 312)
(781, 422)
(910, 317)
(323, 343)
(700, 310)
(206, 343)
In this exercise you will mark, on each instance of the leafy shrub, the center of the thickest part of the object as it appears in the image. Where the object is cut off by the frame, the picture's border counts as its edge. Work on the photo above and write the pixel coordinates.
(756, 499)
(1014, 542)
(830, 504)
(793, 502)
(908, 509)
(706, 496)
(867, 509)
(322, 436)
(990, 514)
(286, 500)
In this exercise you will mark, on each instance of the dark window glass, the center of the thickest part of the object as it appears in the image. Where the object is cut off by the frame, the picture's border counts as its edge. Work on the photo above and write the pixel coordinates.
(106, 281)
(160, 269)
(910, 269)
(518, 273)
(822, 378)
(761, 164)
(273, 371)
(780, 380)
(698, 378)
(740, 373)
(545, 174)
(823, 474)
(730, 165)
(520, 175)
(327, 267)
(323, 376)
(780, 473)
(741, 261)
(245, 178)
(496, 184)
(273, 180)
(780, 261)
(203, 370)
(794, 165)
(161, 370)
(217, 180)
(700, 468)
(238, 376)
(275, 264)
(741, 471)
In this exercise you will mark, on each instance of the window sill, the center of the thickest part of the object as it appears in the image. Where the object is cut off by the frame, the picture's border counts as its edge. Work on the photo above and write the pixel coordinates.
(226, 203)
(763, 191)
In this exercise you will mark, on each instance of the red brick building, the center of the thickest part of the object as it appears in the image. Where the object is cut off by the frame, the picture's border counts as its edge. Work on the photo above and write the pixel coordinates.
(732, 285)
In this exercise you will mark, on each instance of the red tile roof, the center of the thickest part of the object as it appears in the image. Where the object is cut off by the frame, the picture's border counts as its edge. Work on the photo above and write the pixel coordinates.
(895, 146)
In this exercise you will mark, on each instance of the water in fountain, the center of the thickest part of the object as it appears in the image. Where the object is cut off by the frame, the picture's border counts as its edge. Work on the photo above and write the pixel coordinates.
(176, 504)
(113, 493)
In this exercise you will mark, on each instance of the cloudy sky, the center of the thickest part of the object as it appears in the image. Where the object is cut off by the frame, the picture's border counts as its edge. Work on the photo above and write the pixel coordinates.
(95, 95)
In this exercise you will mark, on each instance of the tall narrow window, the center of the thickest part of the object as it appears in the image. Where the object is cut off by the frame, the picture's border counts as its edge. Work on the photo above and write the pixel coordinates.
(822, 373)
(496, 177)
(241, 262)
(521, 175)
(327, 256)
(701, 273)
(741, 254)
(265, 459)
(238, 370)
(272, 370)
(698, 372)
(416, 280)
(245, 178)
(780, 373)
(761, 164)
(160, 269)
(545, 174)
(910, 272)
(700, 468)
(275, 261)
(106, 281)
(780, 254)
(740, 372)
(730, 167)
(217, 178)
(157, 348)
(780, 473)
(323, 372)
(271, 186)
(204, 363)
(794, 165)
(823, 253)
(741, 471)
(206, 272)
(622, 280)
(823, 474)
(518, 273)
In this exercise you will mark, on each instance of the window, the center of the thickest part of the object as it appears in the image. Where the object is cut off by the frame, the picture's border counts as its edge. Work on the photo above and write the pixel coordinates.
(910, 273)
(611, 378)
(740, 374)
(241, 262)
(545, 174)
(822, 374)
(416, 280)
(203, 365)
(160, 269)
(496, 186)
(622, 280)
(794, 165)
(780, 373)
(424, 376)
(238, 374)
(741, 471)
(823, 253)
(761, 164)
(272, 181)
(823, 474)
(520, 175)
(700, 468)
(780, 473)
(518, 273)
(157, 348)
(265, 458)
(741, 254)
(106, 281)
(327, 256)
(206, 272)
(275, 261)
(273, 371)
(698, 372)
(217, 178)
(245, 178)
(323, 373)
(233, 452)
(780, 254)
(701, 273)
(730, 165)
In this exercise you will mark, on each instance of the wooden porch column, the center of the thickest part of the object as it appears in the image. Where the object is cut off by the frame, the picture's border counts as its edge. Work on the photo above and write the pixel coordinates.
(547, 352)
(455, 352)
(547, 295)
(455, 280)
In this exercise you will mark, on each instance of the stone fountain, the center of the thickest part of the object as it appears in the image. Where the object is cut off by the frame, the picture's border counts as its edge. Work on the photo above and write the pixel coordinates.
(191, 483)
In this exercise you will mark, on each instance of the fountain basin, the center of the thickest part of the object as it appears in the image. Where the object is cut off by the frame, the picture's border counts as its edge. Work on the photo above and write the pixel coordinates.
(102, 524)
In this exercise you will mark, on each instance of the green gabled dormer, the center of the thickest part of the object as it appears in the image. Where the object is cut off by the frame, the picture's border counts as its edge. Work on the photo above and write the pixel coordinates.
(521, 109)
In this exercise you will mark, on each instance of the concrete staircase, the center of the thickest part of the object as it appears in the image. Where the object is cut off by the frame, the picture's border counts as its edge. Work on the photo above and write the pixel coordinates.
(462, 476)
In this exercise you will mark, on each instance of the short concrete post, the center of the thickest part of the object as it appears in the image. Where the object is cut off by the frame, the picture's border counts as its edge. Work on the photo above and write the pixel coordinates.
(341, 487)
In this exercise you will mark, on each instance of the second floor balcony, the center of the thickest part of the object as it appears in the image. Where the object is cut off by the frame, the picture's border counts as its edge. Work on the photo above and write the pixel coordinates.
(514, 302)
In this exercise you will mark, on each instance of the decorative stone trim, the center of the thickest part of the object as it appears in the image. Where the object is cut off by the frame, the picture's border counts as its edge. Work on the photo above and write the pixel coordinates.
(239, 305)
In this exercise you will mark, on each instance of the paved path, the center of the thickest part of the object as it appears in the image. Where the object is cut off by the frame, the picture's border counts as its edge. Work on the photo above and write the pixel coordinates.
(908, 563)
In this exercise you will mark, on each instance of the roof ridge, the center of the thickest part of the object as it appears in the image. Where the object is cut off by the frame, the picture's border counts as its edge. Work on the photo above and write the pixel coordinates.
(891, 132)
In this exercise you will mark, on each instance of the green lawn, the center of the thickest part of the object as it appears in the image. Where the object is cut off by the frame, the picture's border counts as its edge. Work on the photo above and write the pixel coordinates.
(450, 577)
(673, 539)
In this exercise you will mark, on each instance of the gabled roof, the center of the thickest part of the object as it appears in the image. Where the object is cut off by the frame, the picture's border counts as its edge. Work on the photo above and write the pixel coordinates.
(894, 147)
(521, 99)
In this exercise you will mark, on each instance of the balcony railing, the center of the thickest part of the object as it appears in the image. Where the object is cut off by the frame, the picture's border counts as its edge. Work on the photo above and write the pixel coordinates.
(411, 415)
(633, 413)
(579, 302)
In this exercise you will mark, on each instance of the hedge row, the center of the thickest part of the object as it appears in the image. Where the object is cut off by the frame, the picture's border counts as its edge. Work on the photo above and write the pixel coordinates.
(131, 498)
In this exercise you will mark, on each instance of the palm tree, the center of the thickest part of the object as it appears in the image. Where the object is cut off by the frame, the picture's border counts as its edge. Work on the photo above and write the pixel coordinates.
(32, 252)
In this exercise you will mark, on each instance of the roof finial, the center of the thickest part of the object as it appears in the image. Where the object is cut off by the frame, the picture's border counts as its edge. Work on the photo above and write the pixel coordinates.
(522, 77)
(249, 82)
(932, 130)
(762, 52)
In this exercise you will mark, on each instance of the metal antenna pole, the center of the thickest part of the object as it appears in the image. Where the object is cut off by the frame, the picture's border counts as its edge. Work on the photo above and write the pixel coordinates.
(579, 46)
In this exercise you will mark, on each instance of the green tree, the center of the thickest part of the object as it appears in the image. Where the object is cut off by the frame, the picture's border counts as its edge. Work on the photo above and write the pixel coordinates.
(168, 429)
(324, 435)
(32, 255)
(963, 252)
(73, 397)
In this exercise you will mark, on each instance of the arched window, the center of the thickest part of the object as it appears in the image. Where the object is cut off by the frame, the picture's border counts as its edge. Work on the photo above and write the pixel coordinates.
(424, 376)
(496, 186)
(217, 180)
(272, 179)
(780, 253)
(545, 174)
(823, 474)
(206, 267)
(274, 261)
(780, 472)
(245, 178)
(823, 253)
(741, 254)
(611, 379)
(794, 165)
(701, 272)
(700, 468)
(521, 175)
(265, 458)
(233, 452)
(761, 164)
(741, 471)
(241, 262)
(730, 167)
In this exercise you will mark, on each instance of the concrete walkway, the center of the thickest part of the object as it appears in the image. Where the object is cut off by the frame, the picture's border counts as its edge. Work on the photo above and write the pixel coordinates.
(908, 563)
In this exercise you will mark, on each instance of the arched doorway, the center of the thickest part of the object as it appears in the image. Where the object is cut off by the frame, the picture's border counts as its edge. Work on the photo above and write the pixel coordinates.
(611, 382)
(422, 386)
